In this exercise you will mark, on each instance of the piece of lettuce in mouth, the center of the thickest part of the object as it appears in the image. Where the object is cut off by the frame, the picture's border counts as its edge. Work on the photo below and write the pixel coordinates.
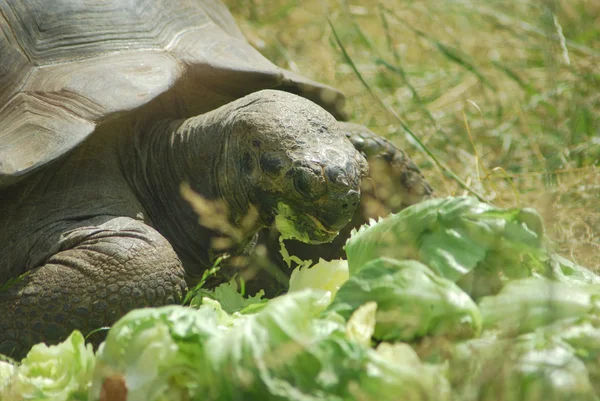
(301, 226)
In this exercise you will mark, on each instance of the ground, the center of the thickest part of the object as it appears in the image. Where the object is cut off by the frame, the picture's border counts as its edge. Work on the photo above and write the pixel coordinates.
(503, 96)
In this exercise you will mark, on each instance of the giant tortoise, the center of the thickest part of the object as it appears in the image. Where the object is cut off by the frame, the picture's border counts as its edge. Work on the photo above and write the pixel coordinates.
(106, 108)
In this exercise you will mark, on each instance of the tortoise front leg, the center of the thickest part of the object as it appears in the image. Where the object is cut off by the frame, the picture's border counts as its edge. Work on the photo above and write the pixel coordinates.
(101, 273)
(394, 181)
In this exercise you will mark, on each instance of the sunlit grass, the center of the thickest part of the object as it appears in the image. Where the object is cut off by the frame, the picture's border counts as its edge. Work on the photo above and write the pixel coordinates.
(506, 94)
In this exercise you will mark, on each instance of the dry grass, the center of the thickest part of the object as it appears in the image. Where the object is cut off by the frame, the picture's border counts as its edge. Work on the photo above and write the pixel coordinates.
(505, 93)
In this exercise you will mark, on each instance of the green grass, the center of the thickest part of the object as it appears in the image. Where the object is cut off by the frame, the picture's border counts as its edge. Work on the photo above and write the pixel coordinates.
(504, 96)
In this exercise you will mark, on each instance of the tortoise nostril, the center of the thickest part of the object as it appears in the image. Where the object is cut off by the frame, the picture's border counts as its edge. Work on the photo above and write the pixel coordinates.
(352, 197)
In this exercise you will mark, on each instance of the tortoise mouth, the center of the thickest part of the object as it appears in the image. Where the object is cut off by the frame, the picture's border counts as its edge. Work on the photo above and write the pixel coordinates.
(301, 226)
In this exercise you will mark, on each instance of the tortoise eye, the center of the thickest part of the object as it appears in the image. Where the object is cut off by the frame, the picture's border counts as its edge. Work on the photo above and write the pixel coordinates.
(271, 163)
(309, 182)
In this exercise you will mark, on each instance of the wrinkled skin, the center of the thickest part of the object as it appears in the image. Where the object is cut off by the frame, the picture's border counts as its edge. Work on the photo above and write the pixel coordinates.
(106, 230)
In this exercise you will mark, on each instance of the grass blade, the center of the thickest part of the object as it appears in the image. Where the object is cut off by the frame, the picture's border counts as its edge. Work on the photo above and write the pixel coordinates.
(442, 166)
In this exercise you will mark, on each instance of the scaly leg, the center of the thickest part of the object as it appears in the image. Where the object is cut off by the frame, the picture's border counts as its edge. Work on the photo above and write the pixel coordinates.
(103, 271)
(394, 182)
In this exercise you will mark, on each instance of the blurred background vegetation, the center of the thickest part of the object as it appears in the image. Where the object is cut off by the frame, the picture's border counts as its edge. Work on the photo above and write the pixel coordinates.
(504, 94)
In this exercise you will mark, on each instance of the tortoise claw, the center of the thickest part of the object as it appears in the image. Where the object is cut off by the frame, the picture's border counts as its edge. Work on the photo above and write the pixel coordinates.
(394, 181)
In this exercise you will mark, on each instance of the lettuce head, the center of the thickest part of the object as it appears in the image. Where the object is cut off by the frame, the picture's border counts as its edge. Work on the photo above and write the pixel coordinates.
(454, 236)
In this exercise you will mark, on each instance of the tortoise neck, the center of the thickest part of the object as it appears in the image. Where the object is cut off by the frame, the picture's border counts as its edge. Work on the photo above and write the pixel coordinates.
(200, 152)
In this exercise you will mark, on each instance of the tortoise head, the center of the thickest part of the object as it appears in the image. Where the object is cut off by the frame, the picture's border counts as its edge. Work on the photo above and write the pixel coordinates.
(299, 168)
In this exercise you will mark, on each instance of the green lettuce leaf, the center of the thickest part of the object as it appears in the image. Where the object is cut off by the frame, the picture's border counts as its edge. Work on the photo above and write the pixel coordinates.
(361, 325)
(60, 372)
(7, 370)
(158, 353)
(526, 304)
(532, 367)
(229, 297)
(395, 372)
(324, 275)
(584, 336)
(412, 301)
(571, 273)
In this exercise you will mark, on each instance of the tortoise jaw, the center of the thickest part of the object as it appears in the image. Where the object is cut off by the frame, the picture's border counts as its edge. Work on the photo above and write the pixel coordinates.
(302, 226)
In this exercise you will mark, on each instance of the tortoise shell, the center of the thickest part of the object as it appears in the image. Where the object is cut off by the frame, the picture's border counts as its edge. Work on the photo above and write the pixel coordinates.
(67, 66)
